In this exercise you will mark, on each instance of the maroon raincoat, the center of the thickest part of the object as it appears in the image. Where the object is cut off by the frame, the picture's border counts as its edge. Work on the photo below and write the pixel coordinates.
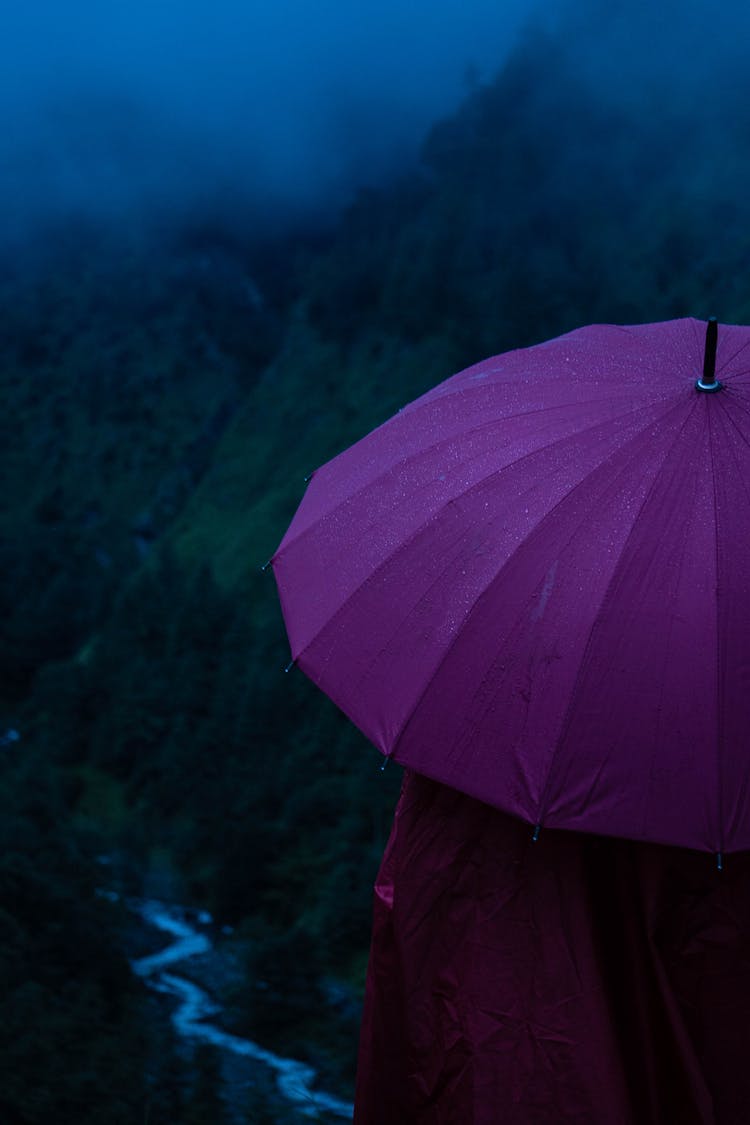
(577, 980)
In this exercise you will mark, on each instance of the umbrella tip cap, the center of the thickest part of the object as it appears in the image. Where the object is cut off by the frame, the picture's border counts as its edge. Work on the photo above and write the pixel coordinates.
(711, 388)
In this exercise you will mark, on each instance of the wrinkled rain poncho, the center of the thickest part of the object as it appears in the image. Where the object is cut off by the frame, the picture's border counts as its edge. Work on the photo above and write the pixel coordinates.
(575, 980)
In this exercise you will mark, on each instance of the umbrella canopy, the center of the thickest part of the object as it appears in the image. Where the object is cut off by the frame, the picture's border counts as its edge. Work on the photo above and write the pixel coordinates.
(533, 583)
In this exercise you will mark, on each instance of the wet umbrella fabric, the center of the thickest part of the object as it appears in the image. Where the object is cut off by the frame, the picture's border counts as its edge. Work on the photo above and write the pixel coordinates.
(533, 584)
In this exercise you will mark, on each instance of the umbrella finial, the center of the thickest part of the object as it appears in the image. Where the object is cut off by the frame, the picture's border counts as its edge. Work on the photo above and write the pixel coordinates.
(709, 382)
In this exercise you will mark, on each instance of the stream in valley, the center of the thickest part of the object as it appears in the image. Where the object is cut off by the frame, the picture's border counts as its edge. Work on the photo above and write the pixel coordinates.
(196, 1013)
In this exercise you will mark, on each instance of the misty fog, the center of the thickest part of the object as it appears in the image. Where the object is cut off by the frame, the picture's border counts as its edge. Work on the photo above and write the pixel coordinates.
(117, 111)
(111, 108)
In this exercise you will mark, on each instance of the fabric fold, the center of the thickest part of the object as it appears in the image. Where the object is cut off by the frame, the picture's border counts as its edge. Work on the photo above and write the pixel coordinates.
(577, 979)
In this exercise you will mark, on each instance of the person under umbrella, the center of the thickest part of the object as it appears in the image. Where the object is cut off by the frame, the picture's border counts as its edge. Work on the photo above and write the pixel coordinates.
(533, 586)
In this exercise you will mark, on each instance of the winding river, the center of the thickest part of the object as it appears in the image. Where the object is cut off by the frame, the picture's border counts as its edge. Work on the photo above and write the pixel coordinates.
(195, 1007)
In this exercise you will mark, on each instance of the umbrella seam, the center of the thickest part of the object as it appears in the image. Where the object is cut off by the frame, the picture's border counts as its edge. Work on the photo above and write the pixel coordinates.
(449, 649)
(719, 659)
(470, 460)
(431, 395)
(371, 575)
(731, 359)
(567, 716)
(647, 795)
(737, 404)
(459, 435)
(719, 655)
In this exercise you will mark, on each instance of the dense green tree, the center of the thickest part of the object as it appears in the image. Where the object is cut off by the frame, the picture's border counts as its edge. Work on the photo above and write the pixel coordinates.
(71, 1040)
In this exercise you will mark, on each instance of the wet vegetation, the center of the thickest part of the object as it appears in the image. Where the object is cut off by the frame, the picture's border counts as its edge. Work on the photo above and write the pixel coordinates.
(164, 398)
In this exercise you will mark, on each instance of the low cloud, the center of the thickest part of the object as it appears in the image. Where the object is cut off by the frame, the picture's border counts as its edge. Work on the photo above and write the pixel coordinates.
(116, 109)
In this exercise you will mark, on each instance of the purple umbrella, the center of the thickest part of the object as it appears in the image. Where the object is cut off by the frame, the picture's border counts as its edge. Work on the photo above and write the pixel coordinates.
(533, 583)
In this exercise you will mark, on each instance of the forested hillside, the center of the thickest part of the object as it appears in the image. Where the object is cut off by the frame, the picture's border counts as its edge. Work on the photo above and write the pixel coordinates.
(165, 396)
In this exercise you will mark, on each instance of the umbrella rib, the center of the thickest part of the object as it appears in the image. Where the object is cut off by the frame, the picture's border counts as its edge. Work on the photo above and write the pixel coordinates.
(565, 724)
(495, 578)
(719, 662)
(732, 358)
(480, 381)
(627, 397)
(647, 794)
(429, 398)
(738, 799)
(488, 426)
(371, 575)
(737, 404)
(462, 435)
